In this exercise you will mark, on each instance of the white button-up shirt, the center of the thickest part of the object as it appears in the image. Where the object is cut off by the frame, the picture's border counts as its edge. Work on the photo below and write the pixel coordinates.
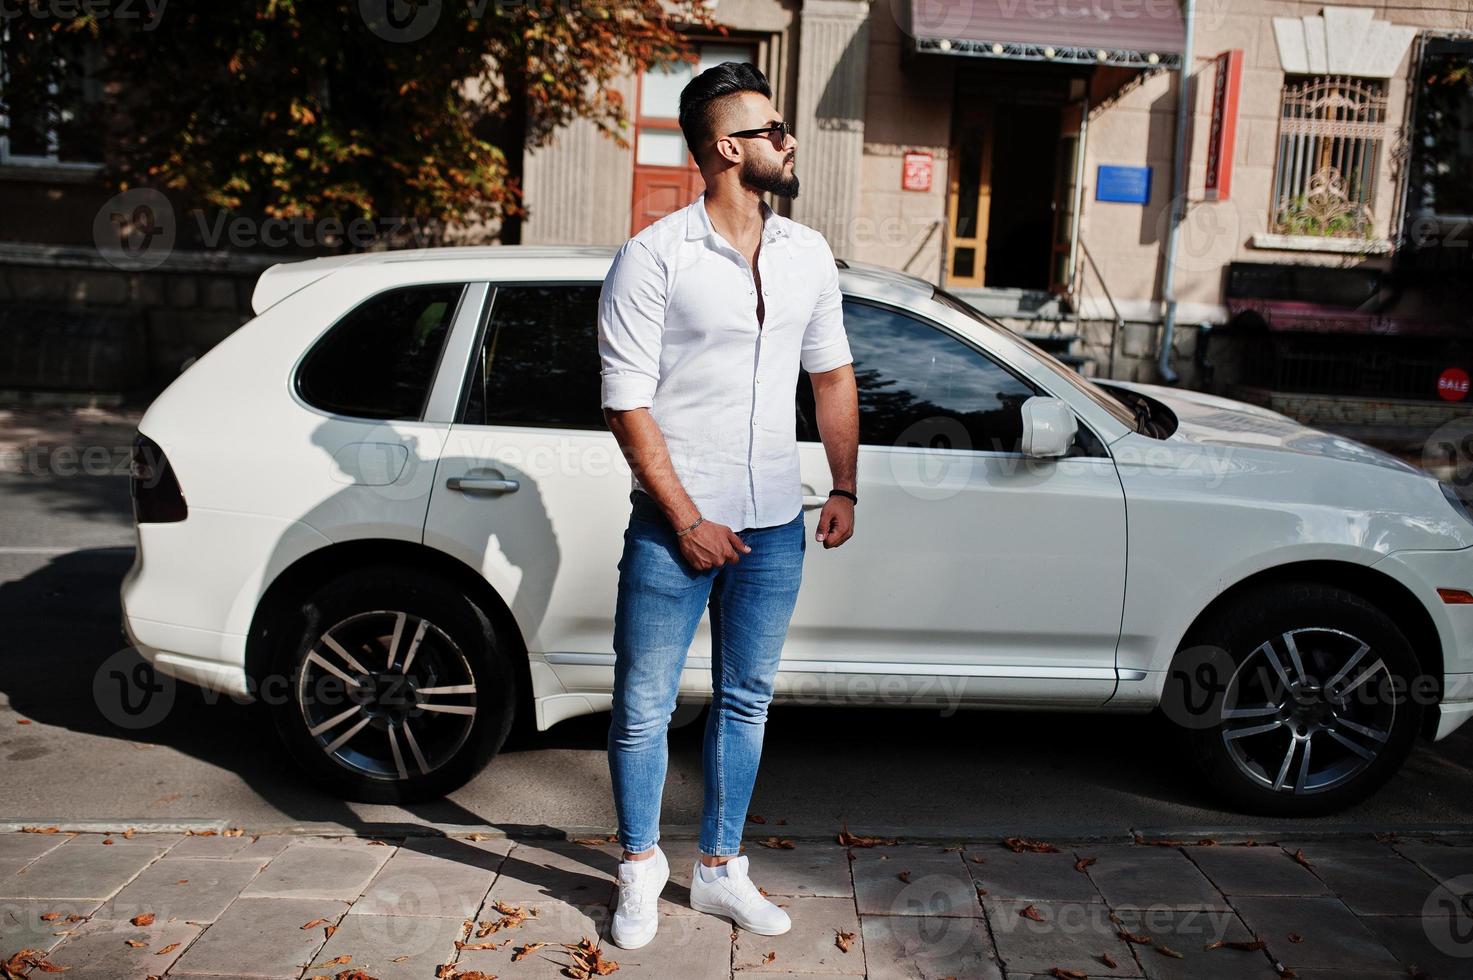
(678, 334)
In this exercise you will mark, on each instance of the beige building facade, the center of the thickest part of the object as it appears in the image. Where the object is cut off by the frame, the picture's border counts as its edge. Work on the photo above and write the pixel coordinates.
(1022, 153)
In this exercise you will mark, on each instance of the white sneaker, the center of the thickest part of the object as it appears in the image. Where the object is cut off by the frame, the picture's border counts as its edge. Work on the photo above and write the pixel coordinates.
(637, 915)
(734, 896)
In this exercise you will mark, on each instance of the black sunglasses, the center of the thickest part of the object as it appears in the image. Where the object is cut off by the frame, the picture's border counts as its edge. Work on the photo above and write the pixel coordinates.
(784, 128)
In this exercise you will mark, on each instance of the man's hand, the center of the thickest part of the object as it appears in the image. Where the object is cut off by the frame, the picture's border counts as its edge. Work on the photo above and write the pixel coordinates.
(712, 545)
(836, 522)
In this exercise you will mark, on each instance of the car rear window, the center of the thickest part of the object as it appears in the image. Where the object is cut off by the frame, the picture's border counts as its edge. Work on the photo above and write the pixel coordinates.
(378, 361)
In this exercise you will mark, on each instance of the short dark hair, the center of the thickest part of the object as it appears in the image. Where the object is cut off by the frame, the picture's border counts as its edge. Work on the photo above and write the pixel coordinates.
(700, 94)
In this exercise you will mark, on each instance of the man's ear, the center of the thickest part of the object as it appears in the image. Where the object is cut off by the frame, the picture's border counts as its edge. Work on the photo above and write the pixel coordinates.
(726, 148)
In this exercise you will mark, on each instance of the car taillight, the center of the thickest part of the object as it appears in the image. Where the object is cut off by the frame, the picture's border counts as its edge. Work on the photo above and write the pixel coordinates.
(157, 498)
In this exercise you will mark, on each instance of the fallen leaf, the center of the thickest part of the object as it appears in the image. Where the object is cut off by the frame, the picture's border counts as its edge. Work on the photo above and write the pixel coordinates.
(327, 933)
(1206, 842)
(768, 957)
(50, 916)
(1064, 974)
(781, 842)
(314, 924)
(1300, 858)
(981, 890)
(590, 841)
(1294, 937)
(843, 939)
(182, 881)
(336, 960)
(1156, 841)
(756, 818)
(142, 919)
(378, 843)
(782, 823)
(1133, 937)
(108, 841)
(1108, 960)
(38, 830)
(977, 859)
(1021, 845)
(491, 945)
(22, 721)
(851, 854)
(199, 833)
(1031, 912)
(1083, 863)
(1168, 951)
(1246, 945)
(846, 839)
(399, 959)
(232, 832)
(135, 943)
(522, 952)
(904, 876)
(128, 834)
(588, 960)
(167, 949)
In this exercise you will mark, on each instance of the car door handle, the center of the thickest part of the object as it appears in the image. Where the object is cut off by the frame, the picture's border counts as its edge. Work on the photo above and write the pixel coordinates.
(812, 500)
(483, 484)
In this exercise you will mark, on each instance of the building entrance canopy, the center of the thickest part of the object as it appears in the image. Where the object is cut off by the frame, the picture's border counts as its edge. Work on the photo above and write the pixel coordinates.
(1134, 33)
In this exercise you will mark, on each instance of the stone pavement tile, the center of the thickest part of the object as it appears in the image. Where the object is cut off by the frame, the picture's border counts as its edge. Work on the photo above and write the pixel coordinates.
(1263, 870)
(1439, 946)
(556, 923)
(808, 947)
(929, 947)
(1029, 877)
(390, 947)
(814, 870)
(81, 868)
(19, 850)
(1189, 932)
(939, 883)
(309, 870)
(697, 946)
(192, 889)
(1134, 877)
(433, 877)
(99, 949)
(262, 937)
(1377, 884)
(1453, 866)
(1330, 936)
(573, 874)
(21, 925)
(240, 848)
(1071, 936)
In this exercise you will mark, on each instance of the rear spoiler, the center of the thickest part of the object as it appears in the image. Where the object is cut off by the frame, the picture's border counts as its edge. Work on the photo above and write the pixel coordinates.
(281, 280)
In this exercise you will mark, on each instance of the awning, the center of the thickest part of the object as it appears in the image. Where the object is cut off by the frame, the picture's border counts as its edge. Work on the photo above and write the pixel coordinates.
(1133, 33)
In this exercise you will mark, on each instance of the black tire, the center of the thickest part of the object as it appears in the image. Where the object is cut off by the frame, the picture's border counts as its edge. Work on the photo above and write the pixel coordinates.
(444, 745)
(1255, 759)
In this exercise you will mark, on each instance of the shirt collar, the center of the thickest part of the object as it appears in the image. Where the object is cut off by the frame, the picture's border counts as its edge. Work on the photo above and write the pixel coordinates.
(698, 222)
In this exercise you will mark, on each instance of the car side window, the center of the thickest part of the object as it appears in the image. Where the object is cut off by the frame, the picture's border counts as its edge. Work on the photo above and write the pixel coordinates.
(379, 360)
(538, 364)
(920, 386)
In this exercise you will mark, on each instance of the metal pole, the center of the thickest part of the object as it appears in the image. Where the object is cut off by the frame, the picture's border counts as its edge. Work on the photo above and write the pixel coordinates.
(1178, 195)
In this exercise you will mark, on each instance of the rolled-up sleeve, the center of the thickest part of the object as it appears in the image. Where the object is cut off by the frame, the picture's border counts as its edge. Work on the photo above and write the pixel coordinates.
(825, 344)
(631, 324)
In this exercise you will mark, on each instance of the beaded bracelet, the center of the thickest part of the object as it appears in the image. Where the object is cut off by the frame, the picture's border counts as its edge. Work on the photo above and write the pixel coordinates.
(698, 523)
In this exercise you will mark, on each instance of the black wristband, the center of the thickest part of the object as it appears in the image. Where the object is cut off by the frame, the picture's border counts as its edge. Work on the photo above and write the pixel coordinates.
(845, 493)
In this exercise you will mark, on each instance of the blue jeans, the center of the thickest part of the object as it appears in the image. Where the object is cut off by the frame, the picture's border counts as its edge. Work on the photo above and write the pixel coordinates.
(661, 599)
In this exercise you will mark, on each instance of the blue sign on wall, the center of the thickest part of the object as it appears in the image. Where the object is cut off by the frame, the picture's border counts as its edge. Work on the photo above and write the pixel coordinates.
(1125, 185)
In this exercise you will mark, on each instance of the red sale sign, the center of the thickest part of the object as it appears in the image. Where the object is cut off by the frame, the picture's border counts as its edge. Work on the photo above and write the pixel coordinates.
(1452, 384)
(917, 173)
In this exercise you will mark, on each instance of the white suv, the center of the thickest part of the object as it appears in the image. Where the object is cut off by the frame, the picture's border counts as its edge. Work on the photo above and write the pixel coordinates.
(389, 508)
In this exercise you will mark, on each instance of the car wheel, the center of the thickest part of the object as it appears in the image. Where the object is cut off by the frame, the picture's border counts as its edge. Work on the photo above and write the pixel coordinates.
(1311, 713)
(395, 687)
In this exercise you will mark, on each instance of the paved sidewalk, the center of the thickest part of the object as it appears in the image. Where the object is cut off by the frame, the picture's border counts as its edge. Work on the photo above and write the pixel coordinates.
(176, 905)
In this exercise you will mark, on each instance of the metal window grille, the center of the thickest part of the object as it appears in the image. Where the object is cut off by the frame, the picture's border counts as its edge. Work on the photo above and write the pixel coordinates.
(1331, 128)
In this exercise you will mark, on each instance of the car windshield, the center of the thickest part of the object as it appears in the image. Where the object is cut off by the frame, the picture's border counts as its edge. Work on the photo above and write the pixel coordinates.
(1094, 392)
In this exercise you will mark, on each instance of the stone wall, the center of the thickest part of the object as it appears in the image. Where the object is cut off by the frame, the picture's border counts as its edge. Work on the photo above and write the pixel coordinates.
(72, 323)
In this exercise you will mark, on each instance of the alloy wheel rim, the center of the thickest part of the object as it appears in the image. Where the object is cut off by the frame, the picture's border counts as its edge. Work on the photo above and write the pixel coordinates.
(1307, 711)
(387, 694)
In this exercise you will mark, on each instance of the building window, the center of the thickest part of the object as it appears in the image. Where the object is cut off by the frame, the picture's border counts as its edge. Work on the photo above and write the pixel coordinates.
(1330, 132)
(1441, 171)
(665, 175)
(51, 109)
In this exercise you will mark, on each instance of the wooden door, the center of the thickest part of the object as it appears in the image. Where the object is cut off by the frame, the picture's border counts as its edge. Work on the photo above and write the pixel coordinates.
(969, 196)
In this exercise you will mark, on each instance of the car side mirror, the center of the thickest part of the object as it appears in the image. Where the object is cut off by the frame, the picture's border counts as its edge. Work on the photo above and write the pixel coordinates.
(1049, 427)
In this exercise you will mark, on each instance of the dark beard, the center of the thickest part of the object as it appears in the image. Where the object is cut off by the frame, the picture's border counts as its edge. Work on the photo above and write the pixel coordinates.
(758, 177)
